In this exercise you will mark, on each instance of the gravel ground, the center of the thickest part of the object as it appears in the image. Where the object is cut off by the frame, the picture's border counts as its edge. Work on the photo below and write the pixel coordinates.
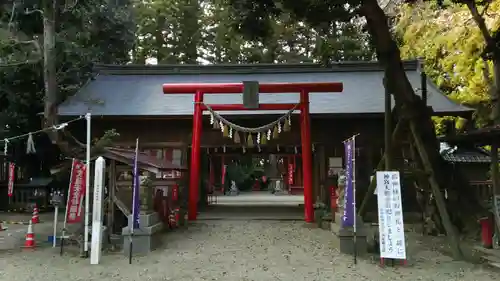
(234, 251)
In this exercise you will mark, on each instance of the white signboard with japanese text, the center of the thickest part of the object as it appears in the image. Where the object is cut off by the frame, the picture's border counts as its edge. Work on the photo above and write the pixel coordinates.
(390, 216)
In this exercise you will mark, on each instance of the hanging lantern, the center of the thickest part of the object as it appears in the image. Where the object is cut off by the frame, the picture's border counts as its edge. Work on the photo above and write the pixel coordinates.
(275, 132)
(250, 140)
(230, 132)
(269, 134)
(279, 128)
(225, 131)
(263, 138)
(236, 137)
(258, 138)
(288, 124)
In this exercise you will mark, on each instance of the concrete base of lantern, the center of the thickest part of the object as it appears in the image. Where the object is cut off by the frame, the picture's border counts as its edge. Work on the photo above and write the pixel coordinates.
(146, 219)
(146, 238)
(345, 236)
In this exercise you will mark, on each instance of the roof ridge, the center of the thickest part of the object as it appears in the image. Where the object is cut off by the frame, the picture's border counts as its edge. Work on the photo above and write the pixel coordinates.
(258, 68)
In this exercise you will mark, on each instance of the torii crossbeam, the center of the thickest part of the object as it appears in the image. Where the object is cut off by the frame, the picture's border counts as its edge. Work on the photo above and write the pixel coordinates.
(199, 90)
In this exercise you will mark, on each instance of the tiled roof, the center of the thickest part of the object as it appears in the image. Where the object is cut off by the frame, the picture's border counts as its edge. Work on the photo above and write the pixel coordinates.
(137, 90)
(466, 155)
(467, 158)
(127, 156)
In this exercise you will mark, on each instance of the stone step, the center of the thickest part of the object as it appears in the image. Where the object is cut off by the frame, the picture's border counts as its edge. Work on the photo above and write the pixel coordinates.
(493, 259)
(488, 252)
(491, 256)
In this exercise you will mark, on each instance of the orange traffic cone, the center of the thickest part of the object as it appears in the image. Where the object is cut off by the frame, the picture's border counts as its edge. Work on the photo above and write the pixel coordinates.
(30, 238)
(35, 219)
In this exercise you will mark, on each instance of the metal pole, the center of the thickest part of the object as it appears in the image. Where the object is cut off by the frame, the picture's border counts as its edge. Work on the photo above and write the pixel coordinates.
(305, 132)
(63, 234)
(66, 210)
(354, 197)
(87, 188)
(136, 187)
(54, 238)
(194, 178)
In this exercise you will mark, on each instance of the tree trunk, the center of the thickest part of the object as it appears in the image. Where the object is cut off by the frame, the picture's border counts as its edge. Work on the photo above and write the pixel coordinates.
(410, 107)
(49, 64)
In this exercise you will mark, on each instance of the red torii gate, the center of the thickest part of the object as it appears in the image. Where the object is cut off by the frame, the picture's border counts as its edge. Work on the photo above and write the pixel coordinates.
(200, 90)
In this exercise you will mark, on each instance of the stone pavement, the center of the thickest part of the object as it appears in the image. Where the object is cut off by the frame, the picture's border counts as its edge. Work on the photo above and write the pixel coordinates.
(14, 236)
(260, 198)
(255, 205)
(252, 212)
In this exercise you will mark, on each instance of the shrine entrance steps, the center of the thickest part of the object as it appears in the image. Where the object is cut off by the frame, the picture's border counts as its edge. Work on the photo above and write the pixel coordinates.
(490, 256)
(255, 206)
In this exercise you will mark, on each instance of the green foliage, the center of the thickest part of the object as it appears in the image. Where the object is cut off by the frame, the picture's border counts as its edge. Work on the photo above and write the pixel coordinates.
(168, 31)
(212, 27)
(451, 45)
(93, 31)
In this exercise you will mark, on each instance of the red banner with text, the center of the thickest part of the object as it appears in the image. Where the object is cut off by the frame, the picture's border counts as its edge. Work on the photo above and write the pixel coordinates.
(291, 169)
(76, 192)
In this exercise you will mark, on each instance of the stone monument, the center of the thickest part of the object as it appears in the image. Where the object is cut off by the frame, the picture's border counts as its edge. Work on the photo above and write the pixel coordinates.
(274, 176)
(234, 189)
(147, 237)
(341, 181)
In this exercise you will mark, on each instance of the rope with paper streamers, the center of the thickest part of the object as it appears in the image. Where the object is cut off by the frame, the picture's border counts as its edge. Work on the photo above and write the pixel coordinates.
(263, 133)
(30, 144)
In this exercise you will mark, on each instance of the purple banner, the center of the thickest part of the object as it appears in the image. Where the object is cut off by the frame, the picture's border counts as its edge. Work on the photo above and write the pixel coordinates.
(136, 186)
(348, 216)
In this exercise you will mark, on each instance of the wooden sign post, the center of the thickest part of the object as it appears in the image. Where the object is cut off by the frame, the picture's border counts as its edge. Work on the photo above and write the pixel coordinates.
(97, 213)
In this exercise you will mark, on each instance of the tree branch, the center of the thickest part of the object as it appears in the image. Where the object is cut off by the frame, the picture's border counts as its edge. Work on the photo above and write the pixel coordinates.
(36, 51)
(487, 77)
(478, 18)
(485, 9)
(29, 12)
